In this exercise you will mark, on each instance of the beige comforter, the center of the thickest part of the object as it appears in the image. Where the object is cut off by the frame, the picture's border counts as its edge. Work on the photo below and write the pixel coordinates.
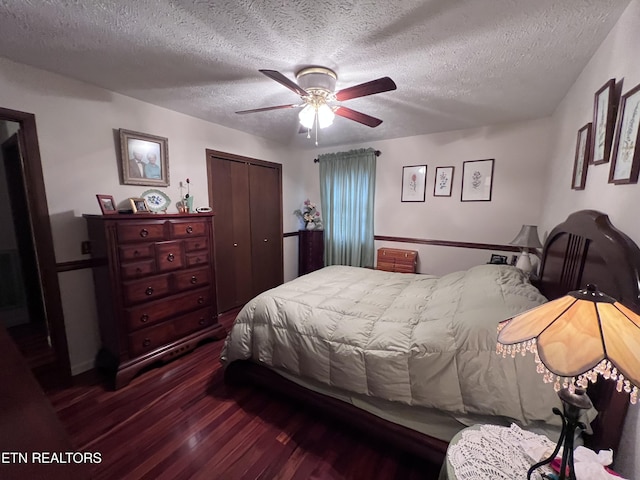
(415, 339)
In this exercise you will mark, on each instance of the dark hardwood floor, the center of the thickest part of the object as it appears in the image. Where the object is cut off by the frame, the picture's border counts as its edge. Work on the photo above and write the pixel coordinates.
(182, 421)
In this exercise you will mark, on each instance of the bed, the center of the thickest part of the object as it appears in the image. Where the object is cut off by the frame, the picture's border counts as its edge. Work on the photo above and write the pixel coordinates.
(412, 358)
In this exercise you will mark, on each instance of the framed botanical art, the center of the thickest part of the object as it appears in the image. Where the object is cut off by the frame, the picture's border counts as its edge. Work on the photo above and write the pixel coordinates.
(581, 162)
(443, 182)
(604, 120)
(626, 154)
(144, 159)
(477, 180)
(107, 204)
(414, 182)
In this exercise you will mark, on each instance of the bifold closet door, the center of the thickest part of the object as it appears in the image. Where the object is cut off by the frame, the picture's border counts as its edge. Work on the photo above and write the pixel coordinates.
(230, 187)
(266, 228)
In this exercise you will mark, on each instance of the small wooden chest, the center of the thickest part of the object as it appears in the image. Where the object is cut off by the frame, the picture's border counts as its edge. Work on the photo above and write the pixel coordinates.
(397, 260)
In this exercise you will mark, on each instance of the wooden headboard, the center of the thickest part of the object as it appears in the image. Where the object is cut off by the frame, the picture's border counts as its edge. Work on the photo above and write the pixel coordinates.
(587, 248)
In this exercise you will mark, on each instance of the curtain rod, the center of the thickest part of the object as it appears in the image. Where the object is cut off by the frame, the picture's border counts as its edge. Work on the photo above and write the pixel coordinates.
(377, 152)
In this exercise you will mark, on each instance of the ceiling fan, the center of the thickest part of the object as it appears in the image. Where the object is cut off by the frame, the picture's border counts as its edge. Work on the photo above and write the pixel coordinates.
(316, 87)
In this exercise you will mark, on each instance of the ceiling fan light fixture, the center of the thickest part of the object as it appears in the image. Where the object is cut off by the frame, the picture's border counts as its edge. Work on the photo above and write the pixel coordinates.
(325, 115)
(307, 116)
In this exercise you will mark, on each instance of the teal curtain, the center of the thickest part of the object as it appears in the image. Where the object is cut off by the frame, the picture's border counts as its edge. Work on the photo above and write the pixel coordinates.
(347, 192)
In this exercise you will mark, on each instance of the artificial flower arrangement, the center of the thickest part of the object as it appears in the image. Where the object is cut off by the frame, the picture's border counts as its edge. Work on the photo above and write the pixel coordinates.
(310, 215)
(186, 204)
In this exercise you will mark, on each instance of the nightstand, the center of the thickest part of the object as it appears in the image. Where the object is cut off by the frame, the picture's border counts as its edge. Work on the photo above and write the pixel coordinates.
(490, 451)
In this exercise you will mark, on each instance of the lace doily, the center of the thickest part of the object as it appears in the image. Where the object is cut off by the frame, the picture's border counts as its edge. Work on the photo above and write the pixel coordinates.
(494, 452)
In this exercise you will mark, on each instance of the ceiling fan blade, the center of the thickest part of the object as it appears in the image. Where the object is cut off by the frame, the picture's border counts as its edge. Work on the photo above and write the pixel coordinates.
(380, 85)
(281, 79)
(359, 117)
(266, 109)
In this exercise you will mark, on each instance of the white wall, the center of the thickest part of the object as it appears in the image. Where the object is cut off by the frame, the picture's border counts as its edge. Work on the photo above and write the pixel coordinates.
(77, 130)
(520, 151)
(616, 58)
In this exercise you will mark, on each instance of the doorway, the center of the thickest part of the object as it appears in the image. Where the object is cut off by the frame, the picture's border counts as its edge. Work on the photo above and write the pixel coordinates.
(30, 307)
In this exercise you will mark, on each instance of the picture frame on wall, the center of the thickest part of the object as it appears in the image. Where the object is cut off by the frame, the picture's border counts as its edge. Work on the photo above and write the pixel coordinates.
(414, 183)
(107, 204)
(477, 180)
(581, 161)
(626, 154)
(604, 121)
(443, 182)
(144, 159)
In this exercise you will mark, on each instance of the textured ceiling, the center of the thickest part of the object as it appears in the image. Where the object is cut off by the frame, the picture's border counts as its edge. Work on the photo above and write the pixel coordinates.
(457, 63)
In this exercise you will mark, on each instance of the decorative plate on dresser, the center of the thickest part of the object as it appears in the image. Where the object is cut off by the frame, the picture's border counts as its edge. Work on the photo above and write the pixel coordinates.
(157, 200)
(155, 288)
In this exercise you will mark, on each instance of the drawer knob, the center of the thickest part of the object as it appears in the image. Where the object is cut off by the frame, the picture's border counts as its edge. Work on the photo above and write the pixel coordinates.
(146, 342)
(194, 280)
(149, 291)
(144, 232)
(198, 260)
(265, 240)
(235, 244)
(144, 318)
(136, 253)
(197, 245)
(200, 300)
(189, 229)
(138, 270)
(202, 321)
(171, 257)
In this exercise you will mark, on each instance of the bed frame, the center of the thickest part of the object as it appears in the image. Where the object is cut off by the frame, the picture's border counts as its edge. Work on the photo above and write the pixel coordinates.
(586, 248)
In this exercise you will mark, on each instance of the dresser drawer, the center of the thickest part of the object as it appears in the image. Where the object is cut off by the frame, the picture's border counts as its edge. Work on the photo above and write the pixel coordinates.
(198, 243)
(195, 259)
(154, 337)
(140, 232)
(169, 256)
(138, 269)
(145, 290)
(185, 228)
(191, 279)
(151, 313)
(135, 252)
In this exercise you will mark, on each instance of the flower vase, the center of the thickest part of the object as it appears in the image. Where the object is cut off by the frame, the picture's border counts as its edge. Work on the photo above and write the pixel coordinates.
(311, 226)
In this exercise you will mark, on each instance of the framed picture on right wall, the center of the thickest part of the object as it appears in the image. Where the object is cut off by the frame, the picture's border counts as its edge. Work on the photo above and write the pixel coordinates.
(477, 180)
(626, 154)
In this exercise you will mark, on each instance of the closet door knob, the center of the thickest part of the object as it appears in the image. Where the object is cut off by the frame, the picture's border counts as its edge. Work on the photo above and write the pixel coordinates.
(235, 244)
(265, 240)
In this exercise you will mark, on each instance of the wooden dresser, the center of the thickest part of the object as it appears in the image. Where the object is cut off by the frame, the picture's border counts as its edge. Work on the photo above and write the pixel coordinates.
(155, 287)
(310, 251)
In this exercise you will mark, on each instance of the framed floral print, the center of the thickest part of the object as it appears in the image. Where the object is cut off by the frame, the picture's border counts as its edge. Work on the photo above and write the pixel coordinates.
(477, 180)
(144, 159)
(581, 162)
(414, 183)
(626, 154)
(443, 182)
(604, 121)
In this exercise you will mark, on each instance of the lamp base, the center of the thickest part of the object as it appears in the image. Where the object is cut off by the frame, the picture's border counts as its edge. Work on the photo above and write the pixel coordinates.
(572, 404)
(524, 263)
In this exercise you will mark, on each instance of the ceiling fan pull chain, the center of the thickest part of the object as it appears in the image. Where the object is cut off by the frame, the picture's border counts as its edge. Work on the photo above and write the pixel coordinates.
(316, 125)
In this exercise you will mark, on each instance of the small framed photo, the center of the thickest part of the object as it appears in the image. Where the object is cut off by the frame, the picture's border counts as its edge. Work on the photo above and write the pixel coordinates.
(107, 204)
(626, 154)
(443, 182)
(144, 159)
(477, 180)
(498, 259)
(414, 182)
(604, 120)
(139, 205)
(581, 162)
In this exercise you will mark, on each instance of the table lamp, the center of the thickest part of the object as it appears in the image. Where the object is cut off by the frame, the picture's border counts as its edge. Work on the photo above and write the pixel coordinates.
(574, 339)
(526, 239)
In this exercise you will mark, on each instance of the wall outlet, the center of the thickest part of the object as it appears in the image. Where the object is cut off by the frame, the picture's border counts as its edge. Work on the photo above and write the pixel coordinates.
(85, 247)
